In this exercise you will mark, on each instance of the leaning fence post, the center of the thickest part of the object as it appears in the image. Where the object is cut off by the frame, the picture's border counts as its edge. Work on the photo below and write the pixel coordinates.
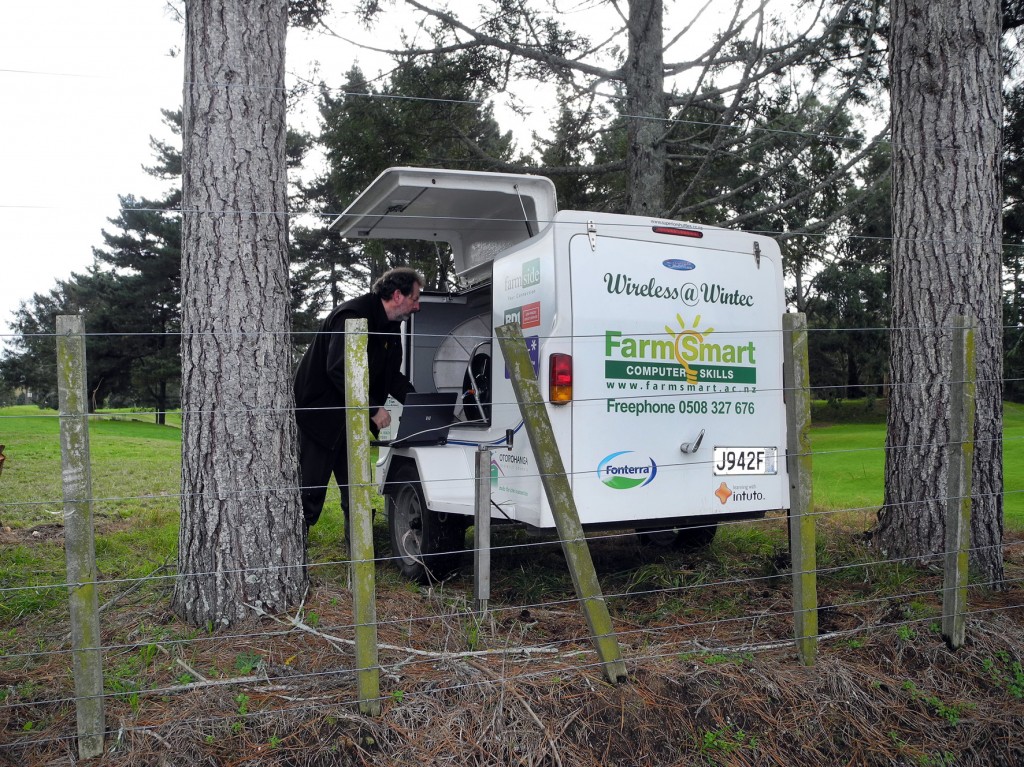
(802, 544)
(79, 542)
(360, 545)
(482, 531)
(962, 376)
(559, 494)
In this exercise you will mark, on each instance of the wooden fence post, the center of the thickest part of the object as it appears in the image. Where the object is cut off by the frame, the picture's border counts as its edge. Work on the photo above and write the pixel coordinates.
(482, 531)
(360, 513)
(802, 543)
(79, 542)
(559, 494)
(962, 377)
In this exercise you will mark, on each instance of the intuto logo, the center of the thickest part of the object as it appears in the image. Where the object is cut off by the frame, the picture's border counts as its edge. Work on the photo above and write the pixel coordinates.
(620, 471)
(724, 493)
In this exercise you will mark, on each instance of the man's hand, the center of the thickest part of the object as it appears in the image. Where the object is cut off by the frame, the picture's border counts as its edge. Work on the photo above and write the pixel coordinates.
(382, 418)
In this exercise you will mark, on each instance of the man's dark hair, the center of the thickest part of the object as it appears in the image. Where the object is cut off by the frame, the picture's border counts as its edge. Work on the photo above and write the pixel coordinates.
(400, 278)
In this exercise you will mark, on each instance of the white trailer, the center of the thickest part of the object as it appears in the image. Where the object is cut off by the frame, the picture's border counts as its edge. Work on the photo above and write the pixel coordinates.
(659, 343)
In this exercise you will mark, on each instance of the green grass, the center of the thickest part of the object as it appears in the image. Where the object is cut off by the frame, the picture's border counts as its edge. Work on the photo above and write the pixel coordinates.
(136, 479)
(135, 472)
(135, 466)
(1013, 464)
(849, 467)
(849, 459)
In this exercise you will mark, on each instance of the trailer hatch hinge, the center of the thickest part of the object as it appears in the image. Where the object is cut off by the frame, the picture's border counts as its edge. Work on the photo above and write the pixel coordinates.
(757, 254)
(592, 234)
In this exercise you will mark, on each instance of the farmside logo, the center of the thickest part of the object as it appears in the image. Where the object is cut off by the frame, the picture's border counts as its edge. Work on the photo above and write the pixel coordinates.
(529, 277)
(688, 356)
(625, 471)
(678, 264)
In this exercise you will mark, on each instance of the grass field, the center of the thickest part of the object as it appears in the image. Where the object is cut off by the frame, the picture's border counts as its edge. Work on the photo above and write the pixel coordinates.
(849, 460)
(136, 463)
(136, 478)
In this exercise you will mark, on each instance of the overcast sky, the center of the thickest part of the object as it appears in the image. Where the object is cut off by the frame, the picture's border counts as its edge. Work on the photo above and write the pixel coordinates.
(83, 83)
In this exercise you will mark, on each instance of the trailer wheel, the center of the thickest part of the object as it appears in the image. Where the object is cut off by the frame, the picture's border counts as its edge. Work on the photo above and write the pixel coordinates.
(426, 545)
(680, 538)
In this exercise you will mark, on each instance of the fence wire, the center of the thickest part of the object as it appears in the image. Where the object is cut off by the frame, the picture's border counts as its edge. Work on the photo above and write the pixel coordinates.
(703, 633)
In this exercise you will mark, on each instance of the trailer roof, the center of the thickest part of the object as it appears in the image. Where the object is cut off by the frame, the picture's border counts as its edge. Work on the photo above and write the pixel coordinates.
(477, 214)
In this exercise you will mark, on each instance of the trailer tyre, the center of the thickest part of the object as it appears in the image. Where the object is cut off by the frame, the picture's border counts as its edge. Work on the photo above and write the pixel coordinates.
(426, 545)
(680, 538)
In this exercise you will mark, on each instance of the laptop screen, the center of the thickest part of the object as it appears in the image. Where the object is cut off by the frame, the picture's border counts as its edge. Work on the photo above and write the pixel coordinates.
(425, 420)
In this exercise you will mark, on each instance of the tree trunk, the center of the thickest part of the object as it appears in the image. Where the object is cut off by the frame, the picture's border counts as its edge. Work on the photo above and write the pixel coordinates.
(161, 402)
(241, 540)
(946, 117)
(645, 110)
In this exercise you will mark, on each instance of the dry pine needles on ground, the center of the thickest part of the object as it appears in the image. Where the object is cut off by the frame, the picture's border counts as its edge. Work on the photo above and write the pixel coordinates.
(523, 687)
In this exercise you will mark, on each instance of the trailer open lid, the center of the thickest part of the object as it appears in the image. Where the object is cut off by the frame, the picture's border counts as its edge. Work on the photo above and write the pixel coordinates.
(478, 214)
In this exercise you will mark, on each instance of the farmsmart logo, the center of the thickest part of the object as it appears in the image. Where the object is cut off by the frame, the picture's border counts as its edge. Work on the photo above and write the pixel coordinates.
(624, 470)
(687, 356)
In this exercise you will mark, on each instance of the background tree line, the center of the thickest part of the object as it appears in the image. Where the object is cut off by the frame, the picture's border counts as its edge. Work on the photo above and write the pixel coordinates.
(131, 294)
(772, 153)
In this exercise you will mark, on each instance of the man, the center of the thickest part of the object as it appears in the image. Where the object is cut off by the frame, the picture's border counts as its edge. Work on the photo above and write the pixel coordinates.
(320, 382)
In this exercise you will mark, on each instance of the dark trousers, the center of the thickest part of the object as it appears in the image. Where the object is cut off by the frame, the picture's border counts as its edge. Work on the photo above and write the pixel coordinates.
(316, 464)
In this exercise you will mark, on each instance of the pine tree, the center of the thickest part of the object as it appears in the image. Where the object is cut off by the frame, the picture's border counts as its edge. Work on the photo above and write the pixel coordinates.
(428, 113)
(241, 542)
(946, 117)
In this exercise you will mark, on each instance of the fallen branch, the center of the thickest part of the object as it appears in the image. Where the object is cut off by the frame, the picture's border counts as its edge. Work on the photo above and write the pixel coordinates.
(780, 644)
(335, 641)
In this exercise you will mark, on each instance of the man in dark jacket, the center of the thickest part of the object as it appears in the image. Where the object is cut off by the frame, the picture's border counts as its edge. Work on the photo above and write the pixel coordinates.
(320, 382)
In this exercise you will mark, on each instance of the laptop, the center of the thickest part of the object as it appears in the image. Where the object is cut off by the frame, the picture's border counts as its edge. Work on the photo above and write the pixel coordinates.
(425, 420)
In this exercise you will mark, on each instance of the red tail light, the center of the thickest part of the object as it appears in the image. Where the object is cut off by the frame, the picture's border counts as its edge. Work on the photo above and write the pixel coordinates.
(560, 379)
(673, 230)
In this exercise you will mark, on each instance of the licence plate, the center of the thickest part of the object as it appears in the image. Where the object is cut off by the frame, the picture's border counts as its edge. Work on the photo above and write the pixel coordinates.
(745, 460)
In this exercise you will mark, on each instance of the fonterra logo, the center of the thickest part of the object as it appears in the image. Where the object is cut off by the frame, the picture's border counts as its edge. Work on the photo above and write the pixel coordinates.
(688, 355)
(624, 470)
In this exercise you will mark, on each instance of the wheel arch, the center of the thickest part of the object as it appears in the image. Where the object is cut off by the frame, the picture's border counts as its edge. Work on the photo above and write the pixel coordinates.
(390, 484)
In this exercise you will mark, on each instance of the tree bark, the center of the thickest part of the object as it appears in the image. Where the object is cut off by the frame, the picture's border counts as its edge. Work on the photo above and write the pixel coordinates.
(946, 118)
(241, 540)
(645, 104)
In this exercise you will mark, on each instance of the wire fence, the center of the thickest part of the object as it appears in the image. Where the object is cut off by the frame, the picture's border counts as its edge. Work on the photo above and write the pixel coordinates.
(702, 612)
(668, 606)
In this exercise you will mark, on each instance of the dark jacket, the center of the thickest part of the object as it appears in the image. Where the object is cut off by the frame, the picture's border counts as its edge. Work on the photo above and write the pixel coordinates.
(320, 378)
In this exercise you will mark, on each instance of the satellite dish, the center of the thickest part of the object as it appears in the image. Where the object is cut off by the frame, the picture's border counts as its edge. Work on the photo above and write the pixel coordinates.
(468, 341)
